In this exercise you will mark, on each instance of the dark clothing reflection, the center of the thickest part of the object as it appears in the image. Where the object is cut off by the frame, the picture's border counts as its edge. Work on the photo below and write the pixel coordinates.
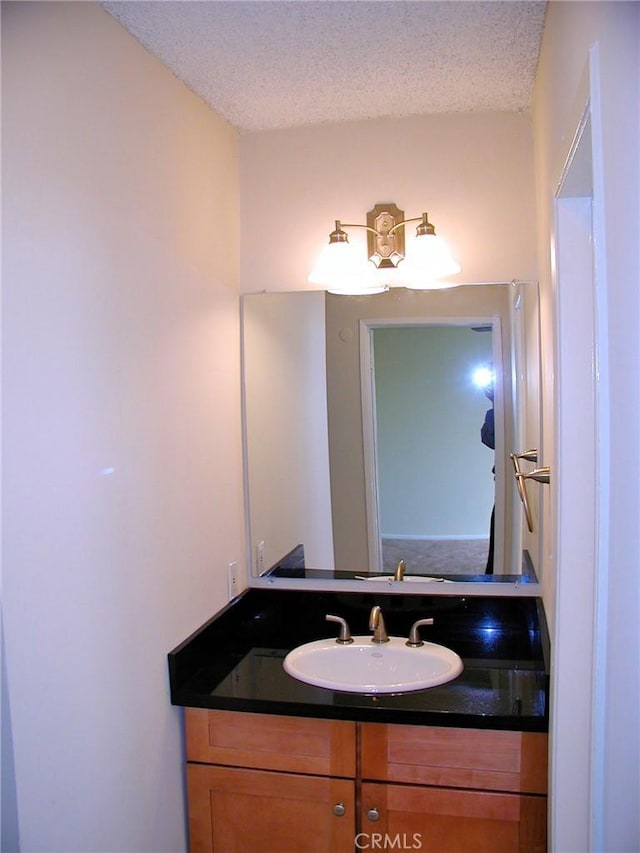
(488, 437)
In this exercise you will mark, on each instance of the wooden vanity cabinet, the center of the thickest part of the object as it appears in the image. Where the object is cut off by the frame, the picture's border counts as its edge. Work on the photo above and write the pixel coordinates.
(448, 789)
(257, 782)
(298, 785)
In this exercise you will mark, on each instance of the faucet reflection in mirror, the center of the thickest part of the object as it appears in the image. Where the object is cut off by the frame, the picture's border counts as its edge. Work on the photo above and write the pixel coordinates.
(342, 270)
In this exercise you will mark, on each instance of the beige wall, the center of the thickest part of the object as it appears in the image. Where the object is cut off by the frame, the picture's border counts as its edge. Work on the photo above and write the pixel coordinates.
(473, 174)
(593, 614)
(122, 458)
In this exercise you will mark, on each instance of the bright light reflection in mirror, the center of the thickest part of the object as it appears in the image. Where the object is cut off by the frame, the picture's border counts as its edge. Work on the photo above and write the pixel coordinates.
(483, 377)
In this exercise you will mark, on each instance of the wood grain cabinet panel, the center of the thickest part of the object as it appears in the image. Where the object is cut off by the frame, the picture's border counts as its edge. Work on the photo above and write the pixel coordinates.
(438, 820)
(233, 810)
(451, 757)
(271, 742)
(260, 783)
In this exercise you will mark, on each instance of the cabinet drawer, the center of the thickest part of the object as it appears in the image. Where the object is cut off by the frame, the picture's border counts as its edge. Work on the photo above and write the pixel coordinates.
(456, 758)
(269, 742)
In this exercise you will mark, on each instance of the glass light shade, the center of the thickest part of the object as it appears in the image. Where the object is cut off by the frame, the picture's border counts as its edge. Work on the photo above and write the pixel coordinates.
(341, 268)
(428, 260)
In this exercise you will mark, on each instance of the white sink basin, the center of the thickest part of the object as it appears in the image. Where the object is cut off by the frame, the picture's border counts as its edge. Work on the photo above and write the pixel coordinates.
(367, 667)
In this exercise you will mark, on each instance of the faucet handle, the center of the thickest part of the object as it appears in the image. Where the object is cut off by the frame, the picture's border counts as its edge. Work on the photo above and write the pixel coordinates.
(345, 634)
(414, 635)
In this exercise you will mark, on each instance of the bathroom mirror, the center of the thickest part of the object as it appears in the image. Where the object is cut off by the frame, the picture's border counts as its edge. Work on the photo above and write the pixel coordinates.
(363, 433)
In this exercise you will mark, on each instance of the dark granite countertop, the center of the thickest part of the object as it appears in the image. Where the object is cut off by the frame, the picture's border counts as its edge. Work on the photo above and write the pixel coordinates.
(234, 661)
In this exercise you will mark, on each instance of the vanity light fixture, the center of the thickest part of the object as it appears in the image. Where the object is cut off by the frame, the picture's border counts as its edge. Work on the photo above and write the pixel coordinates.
(341, 268)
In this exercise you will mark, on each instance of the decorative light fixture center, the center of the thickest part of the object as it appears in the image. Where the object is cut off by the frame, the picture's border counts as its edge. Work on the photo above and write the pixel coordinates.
(341, 269)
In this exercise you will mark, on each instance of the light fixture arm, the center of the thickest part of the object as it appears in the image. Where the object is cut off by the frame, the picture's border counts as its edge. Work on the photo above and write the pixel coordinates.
(425, 226)
(340, 271)
(340, 236)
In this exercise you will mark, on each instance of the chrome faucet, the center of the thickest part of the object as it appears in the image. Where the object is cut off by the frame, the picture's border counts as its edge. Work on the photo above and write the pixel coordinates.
(376, 624)
(400, 569)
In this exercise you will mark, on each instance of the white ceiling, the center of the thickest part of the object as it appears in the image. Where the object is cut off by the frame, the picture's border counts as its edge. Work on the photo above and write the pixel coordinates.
(280, 63)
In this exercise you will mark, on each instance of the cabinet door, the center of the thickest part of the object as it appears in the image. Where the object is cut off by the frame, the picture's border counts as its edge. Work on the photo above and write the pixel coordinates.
(440, 820)
(233, 810)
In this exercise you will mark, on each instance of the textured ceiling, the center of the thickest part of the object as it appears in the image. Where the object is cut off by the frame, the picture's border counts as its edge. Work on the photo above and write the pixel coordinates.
(284, 63)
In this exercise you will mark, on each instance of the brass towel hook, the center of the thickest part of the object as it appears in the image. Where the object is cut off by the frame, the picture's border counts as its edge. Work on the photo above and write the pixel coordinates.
(529, 455)
(540, 475)
(522, 490)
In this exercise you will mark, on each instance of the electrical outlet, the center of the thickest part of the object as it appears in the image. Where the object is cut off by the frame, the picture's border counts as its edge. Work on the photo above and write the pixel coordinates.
(232, 578)
(260, 556)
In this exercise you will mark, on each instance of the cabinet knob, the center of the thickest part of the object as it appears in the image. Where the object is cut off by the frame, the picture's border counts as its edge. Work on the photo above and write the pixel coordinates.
(339, 809)
(373, 815)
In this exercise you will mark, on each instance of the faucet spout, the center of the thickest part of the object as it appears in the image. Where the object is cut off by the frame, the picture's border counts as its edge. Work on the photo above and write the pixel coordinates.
(400, 569)
(376, 624)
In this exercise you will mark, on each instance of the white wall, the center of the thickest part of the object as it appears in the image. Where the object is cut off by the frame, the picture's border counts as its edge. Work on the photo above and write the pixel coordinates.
(120, 352)
(473, 174)
(608, 816)
(122, 457)
(286, 427)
